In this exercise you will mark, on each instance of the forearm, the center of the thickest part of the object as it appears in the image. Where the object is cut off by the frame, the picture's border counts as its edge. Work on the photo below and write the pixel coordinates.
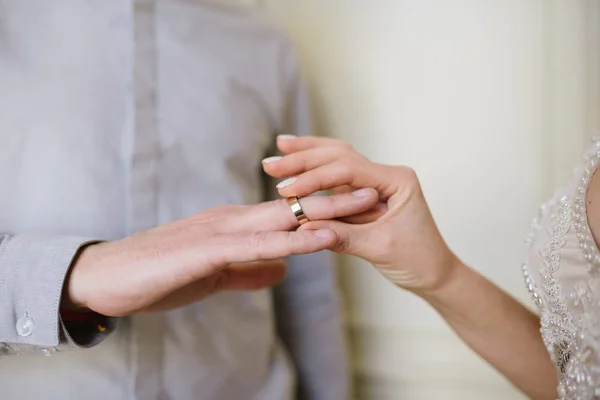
(498, 328)
(402, 241)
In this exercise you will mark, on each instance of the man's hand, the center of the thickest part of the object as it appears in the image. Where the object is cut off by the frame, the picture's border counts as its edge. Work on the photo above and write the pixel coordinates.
(184, 261)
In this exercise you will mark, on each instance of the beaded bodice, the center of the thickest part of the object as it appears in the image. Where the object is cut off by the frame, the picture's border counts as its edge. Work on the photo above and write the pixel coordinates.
(563, 275)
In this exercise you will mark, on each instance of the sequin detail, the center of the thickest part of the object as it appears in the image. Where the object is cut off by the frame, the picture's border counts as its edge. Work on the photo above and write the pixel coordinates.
(531, 286)
(529, 281)
(557, 327)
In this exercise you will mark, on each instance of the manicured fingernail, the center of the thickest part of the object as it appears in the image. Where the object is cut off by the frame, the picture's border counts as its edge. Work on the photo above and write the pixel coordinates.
(324, 234)
(361, 193)
(287, 137)
(285, 183)
(271, 159)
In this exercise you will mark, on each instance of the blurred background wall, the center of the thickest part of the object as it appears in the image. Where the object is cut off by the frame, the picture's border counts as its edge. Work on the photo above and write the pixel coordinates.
(493, 102)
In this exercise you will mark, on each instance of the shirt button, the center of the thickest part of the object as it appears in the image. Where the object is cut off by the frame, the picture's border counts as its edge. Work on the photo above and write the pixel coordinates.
(25, 326)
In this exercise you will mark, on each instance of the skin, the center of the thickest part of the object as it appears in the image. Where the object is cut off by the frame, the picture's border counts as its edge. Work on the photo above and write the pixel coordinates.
(182, 262)
(400, 238)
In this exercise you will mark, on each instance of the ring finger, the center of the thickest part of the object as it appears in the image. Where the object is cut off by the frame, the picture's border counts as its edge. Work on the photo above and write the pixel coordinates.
(278, 216)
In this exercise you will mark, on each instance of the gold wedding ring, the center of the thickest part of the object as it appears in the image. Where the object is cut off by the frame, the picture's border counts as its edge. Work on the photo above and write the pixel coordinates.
(297, 210)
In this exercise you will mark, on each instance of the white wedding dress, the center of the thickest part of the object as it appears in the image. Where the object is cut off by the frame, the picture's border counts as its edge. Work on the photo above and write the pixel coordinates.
(563, 276)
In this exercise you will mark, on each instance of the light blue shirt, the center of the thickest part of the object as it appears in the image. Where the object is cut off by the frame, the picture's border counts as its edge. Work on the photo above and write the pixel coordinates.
(117, 116)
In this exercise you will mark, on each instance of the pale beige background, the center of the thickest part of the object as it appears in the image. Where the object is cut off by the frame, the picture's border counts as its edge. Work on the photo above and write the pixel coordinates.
(492, 101)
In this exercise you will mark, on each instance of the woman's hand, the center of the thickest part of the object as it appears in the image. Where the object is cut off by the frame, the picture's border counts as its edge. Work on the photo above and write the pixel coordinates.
(184, 261)
(403, 242)
(398, 236)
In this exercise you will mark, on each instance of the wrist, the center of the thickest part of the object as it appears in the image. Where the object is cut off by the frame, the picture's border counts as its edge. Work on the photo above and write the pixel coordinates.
(451, 279)
(455, 299)
(74, 292)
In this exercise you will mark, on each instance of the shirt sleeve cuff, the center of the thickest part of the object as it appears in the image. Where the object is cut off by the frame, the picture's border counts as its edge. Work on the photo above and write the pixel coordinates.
(32, 274)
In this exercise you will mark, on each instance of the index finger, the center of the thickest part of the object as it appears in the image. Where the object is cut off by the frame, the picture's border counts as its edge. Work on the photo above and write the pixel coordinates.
(345, 172)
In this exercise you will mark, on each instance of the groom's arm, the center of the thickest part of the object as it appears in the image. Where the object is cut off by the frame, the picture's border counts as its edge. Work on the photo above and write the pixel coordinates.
(33, 272)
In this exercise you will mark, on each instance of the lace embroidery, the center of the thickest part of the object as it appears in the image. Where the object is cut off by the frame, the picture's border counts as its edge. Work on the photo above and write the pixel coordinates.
(557, 327)
(570, 325)
(530, 284)
(582, 374)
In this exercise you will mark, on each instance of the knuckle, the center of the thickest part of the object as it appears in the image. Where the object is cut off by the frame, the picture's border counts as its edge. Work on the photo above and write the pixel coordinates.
(409, 173)
(290, 238)
(328, 203)
(340, 144)
(347, 147)
(342, 150)
(294, 241)
(346, 164)
(215, 213)
(257, 241)
(271, 207)
(410, 177)
(305, 163)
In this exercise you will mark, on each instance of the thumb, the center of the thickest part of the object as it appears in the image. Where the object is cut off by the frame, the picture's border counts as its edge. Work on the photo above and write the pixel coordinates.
(348, 236)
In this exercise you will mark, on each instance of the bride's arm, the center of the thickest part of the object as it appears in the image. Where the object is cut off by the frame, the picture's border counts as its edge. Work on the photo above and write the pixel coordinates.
(498, 328)
(402, 241)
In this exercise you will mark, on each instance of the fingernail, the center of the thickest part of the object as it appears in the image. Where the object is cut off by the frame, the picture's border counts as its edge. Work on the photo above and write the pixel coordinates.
(287, 137)
(324, 234)
(285, 183)
(271, 159)
(361, 193)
